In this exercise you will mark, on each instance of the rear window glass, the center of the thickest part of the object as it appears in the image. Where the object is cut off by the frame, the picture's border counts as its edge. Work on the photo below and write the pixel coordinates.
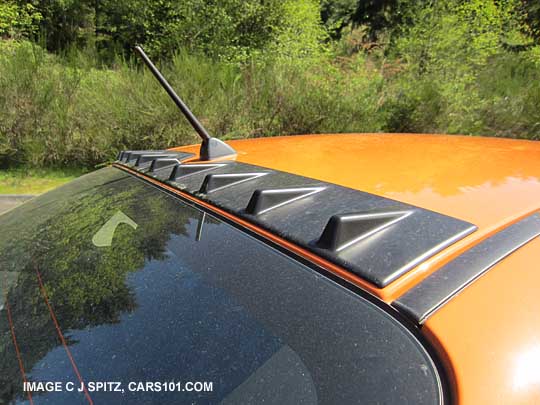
(109, 279)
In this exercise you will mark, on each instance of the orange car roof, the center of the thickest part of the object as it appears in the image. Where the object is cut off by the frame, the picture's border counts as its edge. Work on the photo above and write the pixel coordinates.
(489, 182)
(486, 181)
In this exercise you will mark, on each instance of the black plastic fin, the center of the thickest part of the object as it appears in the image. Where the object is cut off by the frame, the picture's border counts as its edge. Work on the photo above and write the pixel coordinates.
(265, 200)
(213, 182)
(139, 159)
(122, 154)
(143, 159)
(125, 156)
(186, 170)
(160, 163)
(131, 157)
(346, 229)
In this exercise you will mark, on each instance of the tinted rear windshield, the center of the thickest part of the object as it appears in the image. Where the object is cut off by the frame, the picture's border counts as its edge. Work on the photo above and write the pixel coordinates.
(111, 280)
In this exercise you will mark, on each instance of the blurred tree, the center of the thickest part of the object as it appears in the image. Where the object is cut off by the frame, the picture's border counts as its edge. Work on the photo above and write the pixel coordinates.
(18, 21)
(223, 29)
(531, 14)
(377, 15)
(65, 23)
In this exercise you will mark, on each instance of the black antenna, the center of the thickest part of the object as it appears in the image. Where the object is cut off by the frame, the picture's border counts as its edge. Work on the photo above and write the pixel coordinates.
(211, 148)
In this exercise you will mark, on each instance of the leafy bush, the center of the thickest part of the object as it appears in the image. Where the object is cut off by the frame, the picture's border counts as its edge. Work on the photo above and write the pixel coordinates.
(18, 21)
(510, 103)
(448, 52)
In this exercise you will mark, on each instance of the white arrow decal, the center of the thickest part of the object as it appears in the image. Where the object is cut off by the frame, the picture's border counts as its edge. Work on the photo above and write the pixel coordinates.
(104, 236)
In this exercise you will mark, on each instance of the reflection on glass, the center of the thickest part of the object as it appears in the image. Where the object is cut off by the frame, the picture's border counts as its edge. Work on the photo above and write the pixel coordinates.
(183, 297)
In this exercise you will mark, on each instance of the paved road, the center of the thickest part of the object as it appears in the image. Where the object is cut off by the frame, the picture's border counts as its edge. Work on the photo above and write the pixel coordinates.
(8, 201)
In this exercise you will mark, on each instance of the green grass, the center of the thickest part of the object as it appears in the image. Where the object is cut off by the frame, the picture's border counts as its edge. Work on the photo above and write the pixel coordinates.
(55, 114)
(35, 181)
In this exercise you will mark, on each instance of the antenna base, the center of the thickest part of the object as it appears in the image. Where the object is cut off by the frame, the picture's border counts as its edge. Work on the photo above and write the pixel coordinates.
(214, 148)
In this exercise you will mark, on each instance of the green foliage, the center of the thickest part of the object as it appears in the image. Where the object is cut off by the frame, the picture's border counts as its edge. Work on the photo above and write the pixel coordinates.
(337, 14)
(445, 52)
(510, 103)
(79, 115)
(300, 34)
(18, 21)
(267, 68)
(231, 30)
(531, 17)
(377, 16)
(65, 23)
(35, 181)
(36, 98)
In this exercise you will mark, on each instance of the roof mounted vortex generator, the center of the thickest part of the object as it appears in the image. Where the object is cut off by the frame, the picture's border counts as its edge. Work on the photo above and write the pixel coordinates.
(211, 148)
(373, 237)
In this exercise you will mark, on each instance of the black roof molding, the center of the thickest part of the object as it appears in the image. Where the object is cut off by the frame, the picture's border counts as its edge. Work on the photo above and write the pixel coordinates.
(374, 237)
(346, 229)
(262, 201)
(432, 293)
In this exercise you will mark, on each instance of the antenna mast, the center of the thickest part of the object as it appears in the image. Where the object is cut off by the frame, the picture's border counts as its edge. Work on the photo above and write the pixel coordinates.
(211, 148)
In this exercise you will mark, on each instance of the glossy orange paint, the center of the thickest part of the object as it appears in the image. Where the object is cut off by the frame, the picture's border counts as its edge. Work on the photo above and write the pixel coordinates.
(490, 333)
(472, 178)
(489, 182)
